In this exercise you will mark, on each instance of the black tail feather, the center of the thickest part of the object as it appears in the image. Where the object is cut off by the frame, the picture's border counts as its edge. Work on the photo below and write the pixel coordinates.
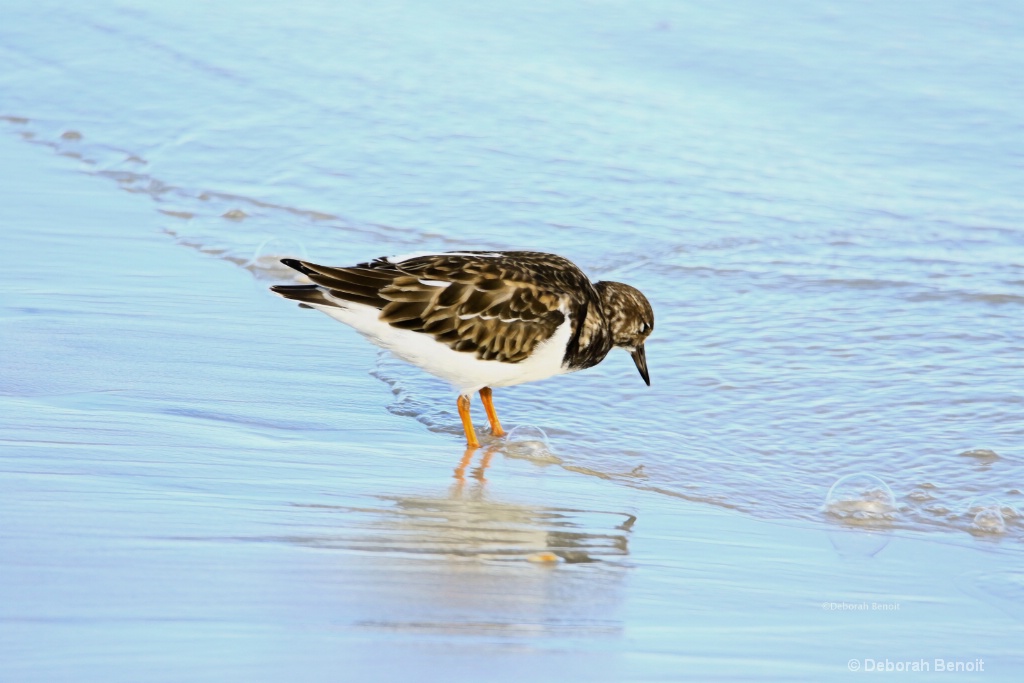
(305, 294)
(359, 284)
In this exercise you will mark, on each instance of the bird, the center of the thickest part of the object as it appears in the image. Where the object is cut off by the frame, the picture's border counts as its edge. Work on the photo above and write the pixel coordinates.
(481, 319)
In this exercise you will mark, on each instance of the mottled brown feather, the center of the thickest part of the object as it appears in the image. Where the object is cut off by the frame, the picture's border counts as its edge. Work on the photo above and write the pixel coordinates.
(499, 307)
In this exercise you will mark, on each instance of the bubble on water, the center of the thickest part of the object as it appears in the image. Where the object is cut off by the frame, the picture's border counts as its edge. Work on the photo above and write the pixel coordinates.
(989, 521)
(987, 513)
(861, 498)
(858, 544)
(266, 260)
(990, 501)
(529, 441)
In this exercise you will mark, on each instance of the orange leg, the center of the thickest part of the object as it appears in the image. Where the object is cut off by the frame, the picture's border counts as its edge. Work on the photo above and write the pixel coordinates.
(460, 471)
(467, 422)
(485, 397)
(478, 473)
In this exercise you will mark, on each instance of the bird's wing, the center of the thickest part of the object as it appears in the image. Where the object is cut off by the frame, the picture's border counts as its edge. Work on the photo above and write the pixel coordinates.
(499, 306)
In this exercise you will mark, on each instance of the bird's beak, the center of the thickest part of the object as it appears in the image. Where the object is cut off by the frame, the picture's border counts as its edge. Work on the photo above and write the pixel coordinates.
(640, 358)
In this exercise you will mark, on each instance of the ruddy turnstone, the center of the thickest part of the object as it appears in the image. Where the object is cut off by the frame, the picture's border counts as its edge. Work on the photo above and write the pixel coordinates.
(481, 319)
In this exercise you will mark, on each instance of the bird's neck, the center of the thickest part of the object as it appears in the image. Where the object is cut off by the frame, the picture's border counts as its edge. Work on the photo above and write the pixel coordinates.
(591, 339)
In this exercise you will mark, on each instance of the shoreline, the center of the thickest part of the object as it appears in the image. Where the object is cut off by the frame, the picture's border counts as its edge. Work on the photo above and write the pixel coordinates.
(195, 489)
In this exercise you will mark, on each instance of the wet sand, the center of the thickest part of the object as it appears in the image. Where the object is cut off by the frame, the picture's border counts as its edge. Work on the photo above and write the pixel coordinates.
(199, 483)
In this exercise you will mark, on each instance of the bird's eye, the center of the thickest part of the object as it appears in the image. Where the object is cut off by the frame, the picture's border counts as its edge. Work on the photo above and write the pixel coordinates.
(644, 327)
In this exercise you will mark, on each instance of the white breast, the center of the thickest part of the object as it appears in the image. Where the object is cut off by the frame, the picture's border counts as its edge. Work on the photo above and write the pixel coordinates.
(461, 369)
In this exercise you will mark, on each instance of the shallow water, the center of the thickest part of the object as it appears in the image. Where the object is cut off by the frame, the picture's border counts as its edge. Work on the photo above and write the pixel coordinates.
(822, 203)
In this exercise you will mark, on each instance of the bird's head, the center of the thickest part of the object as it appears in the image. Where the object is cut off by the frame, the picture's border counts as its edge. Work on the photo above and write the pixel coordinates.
(630, 319)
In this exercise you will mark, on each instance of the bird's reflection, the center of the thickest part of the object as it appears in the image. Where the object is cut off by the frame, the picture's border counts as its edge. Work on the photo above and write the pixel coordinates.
(463, 562)
(468, 522)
